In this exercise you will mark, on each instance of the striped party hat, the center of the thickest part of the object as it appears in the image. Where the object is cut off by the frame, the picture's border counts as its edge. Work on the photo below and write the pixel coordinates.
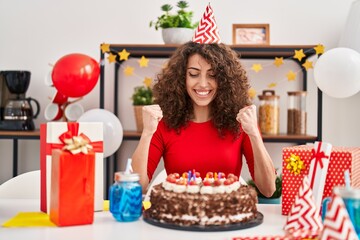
(207, 31)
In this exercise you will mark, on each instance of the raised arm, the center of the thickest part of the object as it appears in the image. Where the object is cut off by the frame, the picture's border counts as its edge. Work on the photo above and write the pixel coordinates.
(152, 114)
(264, 171)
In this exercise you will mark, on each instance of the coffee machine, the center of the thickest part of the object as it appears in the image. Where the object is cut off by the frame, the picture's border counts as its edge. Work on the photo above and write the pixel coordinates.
(16, 112)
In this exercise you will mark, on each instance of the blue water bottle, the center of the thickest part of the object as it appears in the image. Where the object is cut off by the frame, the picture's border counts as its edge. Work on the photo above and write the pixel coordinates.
(125, 197)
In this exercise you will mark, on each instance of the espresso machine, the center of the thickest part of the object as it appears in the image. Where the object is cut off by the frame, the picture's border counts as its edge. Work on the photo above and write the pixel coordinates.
(16, 112)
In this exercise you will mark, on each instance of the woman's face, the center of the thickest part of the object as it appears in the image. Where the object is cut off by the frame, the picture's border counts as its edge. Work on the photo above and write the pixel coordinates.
(200, 81)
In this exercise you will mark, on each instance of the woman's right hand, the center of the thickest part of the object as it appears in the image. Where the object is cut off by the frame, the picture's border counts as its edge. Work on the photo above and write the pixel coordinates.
(152, 114)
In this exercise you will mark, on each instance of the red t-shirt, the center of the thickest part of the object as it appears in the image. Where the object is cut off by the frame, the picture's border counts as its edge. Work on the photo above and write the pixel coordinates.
(199, 147)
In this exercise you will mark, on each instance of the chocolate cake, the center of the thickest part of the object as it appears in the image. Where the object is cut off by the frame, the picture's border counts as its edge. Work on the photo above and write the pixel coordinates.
(213, 201)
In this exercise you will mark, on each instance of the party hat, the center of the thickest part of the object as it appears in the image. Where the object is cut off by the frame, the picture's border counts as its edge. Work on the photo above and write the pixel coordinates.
(304, 215)
(207, 31)
(337, 224)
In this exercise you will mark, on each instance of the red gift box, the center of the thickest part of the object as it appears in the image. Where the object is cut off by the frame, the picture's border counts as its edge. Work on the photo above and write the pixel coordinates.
(51, 137)
(72, 188)
(341, 159)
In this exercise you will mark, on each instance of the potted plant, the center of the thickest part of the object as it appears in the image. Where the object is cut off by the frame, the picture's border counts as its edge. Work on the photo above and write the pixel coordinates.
(142, 96)
(177, 28)
(275, 198)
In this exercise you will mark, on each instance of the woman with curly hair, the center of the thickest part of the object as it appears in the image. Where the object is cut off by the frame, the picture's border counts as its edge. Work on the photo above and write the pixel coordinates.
(203, 119)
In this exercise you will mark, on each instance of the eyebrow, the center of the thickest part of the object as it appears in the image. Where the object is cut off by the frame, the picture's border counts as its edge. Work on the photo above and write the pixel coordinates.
(193, 68)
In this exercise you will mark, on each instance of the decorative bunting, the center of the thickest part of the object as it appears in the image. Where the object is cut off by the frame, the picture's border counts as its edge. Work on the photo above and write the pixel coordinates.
(124, 55)
(147, 81)
(111, 58)
(304, 214)
(320, 49)
(291, 76)
(299, 54)
(129, 71)
(208, 15)
(256, 67)
(307, 65)
(279, 61)
(105, 48)
(143, 62)
(207, 31)
(337, 224)
(272, 85)
(252, 93)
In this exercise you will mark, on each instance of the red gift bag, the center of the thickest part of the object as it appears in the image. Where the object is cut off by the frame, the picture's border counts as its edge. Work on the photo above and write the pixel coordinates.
(341, 159)
(72, 188)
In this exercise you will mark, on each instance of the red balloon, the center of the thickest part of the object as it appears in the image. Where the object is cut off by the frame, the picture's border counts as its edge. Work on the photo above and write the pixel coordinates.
(75, 75)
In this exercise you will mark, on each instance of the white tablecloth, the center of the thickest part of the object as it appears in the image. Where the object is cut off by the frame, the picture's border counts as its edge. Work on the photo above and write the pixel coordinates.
(105, 227)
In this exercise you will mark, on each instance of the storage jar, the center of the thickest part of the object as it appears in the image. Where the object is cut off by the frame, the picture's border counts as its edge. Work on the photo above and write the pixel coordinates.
(269, 112)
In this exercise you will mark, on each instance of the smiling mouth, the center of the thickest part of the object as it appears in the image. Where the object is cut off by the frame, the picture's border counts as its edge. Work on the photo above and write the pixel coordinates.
(202, 92)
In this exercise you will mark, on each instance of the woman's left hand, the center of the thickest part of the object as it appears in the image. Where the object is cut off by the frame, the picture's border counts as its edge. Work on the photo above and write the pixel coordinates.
(247, 118)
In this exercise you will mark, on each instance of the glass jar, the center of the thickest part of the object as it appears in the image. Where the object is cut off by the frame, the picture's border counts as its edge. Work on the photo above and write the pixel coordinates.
(296, 114)
(269, 112)
(125, 197)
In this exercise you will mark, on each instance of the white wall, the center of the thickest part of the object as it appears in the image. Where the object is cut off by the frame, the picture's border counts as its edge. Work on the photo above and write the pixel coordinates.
(34, 34)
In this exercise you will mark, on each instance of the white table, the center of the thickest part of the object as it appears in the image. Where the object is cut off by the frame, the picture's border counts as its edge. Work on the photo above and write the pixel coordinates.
(105, 227)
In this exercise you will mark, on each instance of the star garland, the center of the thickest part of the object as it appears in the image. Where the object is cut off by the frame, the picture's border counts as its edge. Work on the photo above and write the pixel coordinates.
(114, 57)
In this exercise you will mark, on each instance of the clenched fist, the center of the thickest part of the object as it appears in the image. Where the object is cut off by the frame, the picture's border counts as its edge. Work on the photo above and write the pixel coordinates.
(247, 118)
(152, 114)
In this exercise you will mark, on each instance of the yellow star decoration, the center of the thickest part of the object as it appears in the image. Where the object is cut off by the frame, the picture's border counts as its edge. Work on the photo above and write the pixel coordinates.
(307, 65)
(124, 55)
(143, 62)
(111, 58)
(272, 85)
(252, 93)
(147, 81)
(299, 54)
(291, 76)
(279, 61)
(320, 49)
(129, 71)
(295, 164)
(105, 48)
(256, 67)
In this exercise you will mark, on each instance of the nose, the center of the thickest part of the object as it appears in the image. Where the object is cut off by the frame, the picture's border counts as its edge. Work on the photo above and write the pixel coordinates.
(203, 80)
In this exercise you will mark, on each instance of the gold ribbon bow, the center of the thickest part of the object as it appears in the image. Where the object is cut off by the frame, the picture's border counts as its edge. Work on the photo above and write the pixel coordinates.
(295, 164)
(77, 144)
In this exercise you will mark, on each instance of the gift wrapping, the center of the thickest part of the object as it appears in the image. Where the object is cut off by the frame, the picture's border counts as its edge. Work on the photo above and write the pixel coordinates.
(50, 138)
(341, 159)
(72, 188)
(320, 158)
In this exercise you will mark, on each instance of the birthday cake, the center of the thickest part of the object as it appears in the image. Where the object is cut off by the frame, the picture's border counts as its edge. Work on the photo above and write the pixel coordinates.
(191, 200)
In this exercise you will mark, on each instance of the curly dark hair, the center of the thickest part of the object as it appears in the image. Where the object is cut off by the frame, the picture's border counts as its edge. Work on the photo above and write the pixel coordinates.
(232, 93)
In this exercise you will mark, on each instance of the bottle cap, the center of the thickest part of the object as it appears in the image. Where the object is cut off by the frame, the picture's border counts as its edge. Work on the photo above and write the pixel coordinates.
(352, 193)
(126, 177)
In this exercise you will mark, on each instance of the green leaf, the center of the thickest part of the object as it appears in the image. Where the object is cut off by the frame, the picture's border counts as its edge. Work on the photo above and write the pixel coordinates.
(181, 19)
(142, 96)
(278, 190)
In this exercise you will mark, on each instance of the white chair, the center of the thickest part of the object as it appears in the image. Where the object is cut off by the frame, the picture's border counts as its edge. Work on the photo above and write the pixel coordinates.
(162, 176)
(23, 186)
